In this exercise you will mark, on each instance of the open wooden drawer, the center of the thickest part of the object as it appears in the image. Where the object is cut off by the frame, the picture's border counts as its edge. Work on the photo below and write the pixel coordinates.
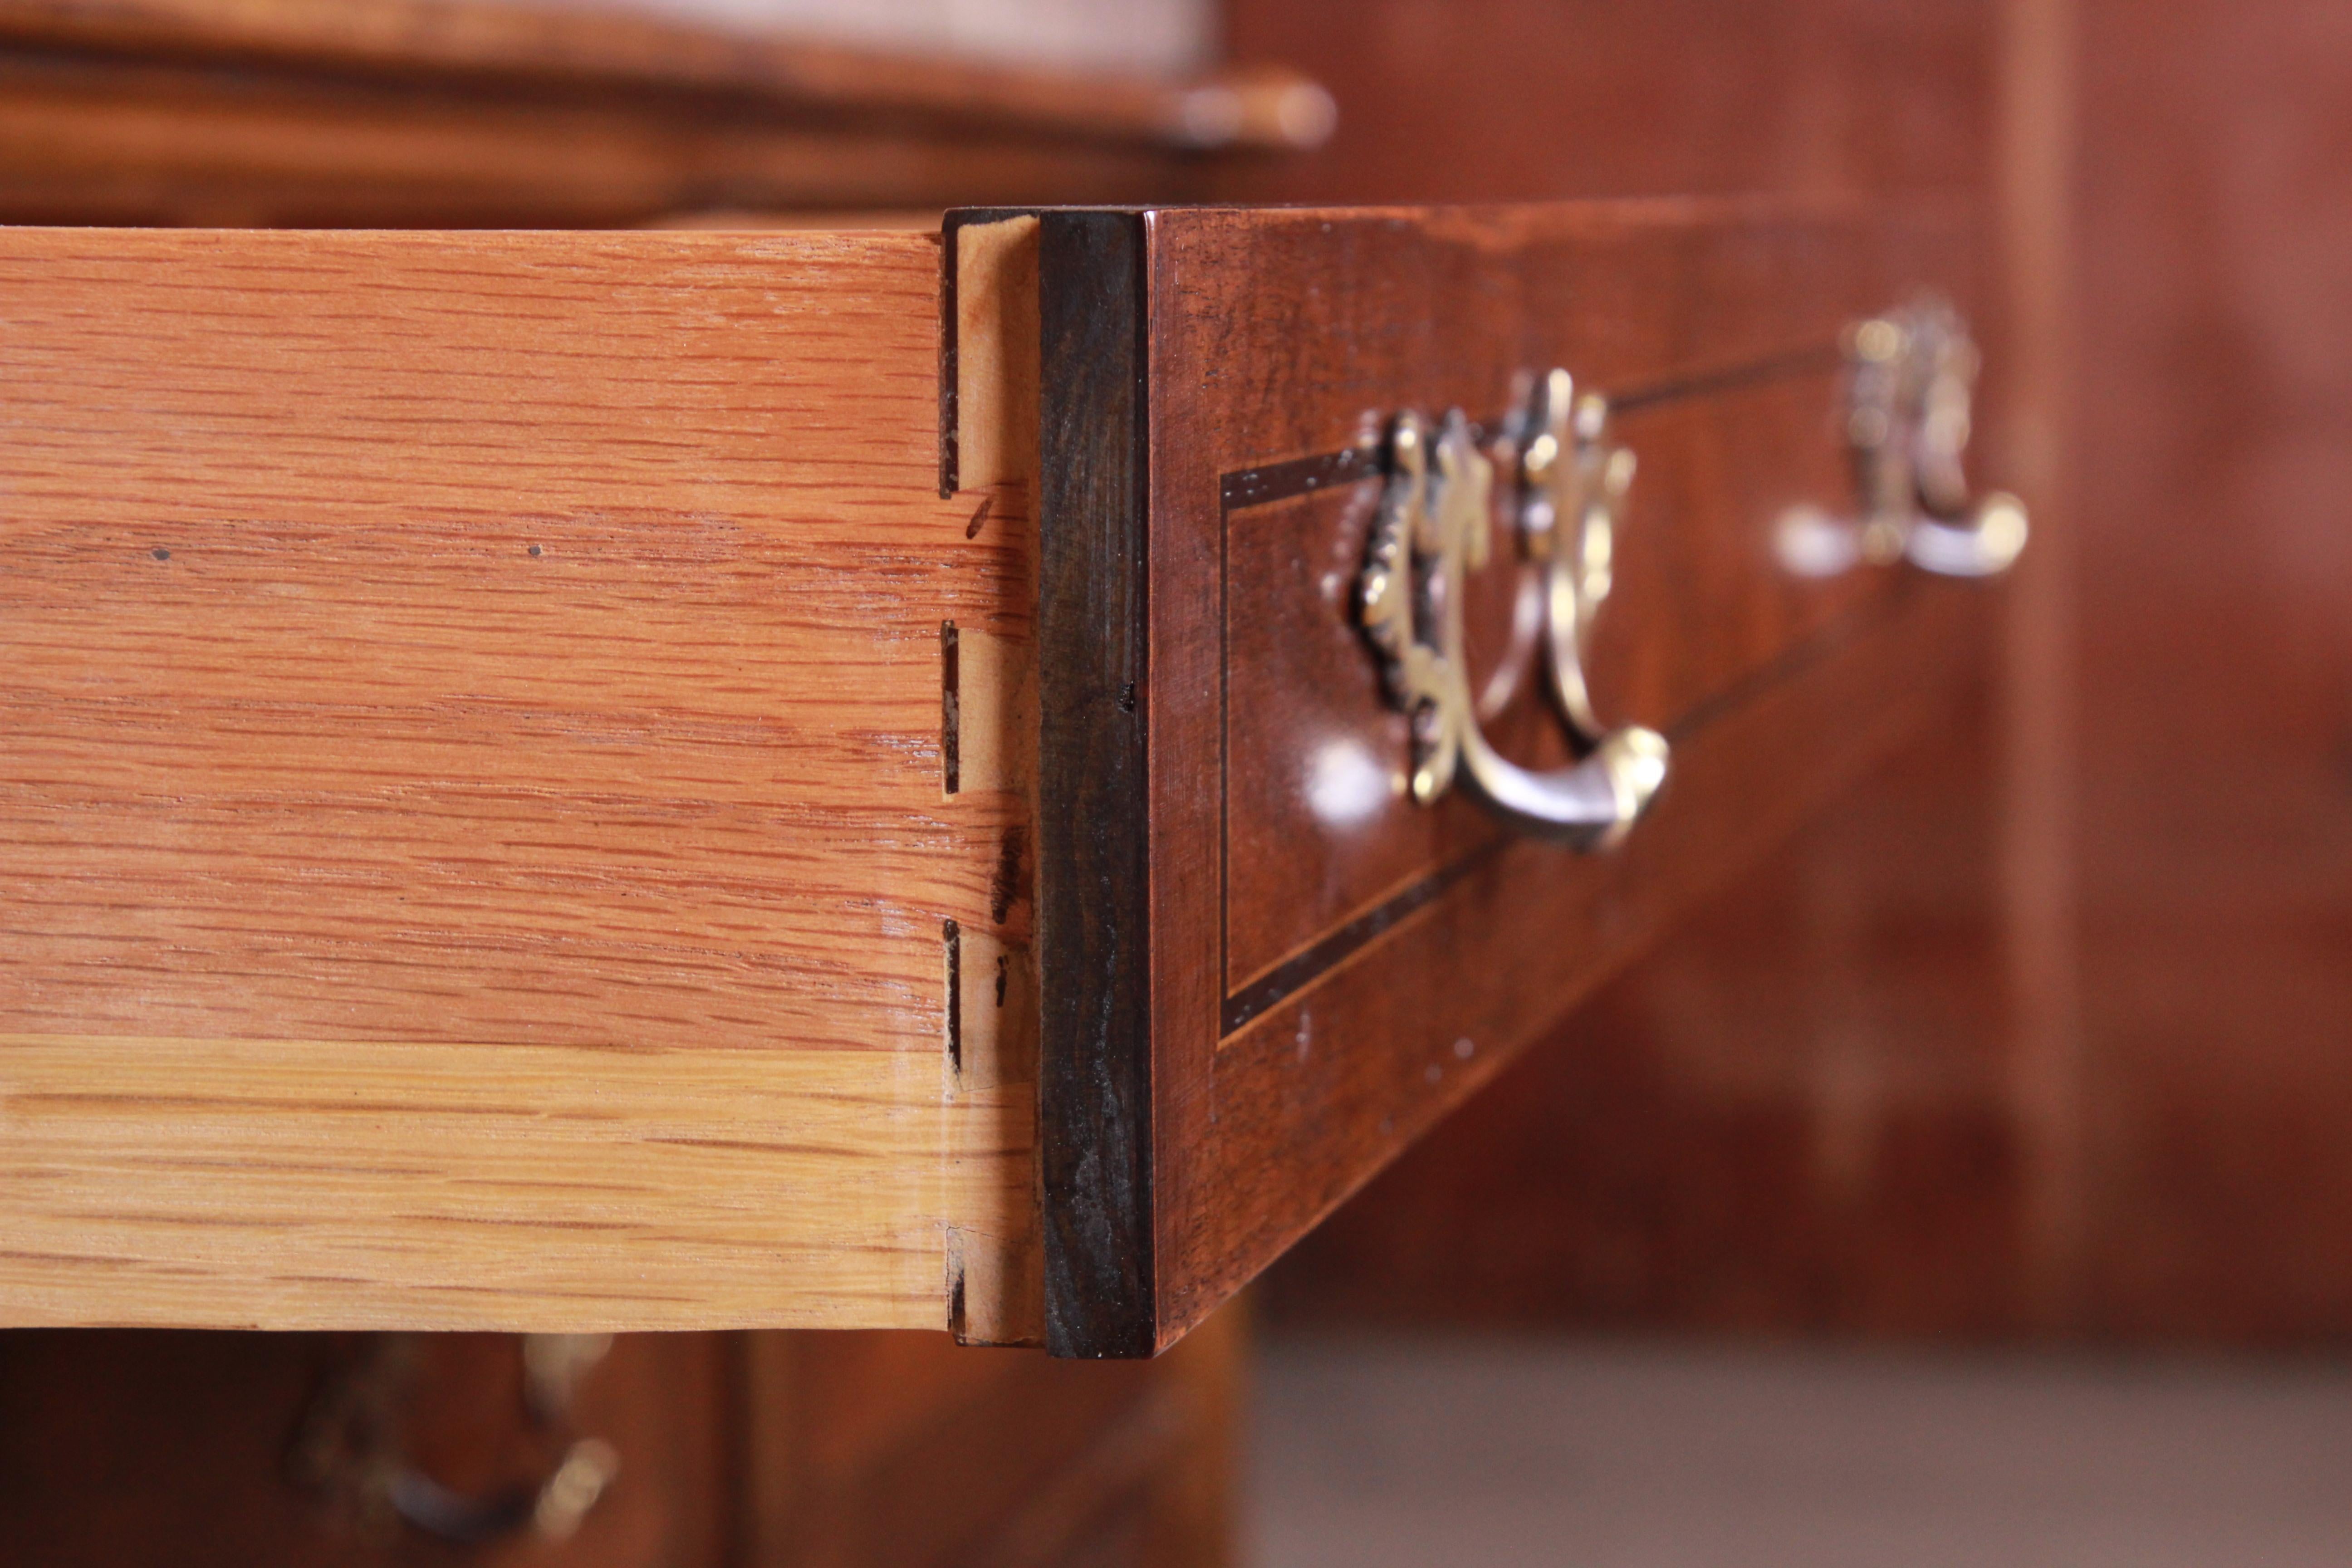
(530, 795)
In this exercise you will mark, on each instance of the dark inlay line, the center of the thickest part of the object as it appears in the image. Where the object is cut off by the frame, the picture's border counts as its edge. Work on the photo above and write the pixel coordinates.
(1298, 477)
(1793, 661)
(1304, 476)
(1294, 975)
(1707, 383)
(1287, 979)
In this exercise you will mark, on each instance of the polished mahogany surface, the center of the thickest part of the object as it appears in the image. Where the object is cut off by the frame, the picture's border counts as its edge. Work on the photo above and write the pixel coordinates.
(1317, 835)
(1294, 1050)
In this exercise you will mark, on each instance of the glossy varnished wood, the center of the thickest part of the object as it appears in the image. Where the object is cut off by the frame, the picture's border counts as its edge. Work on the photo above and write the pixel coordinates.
(473, 849)
(1361, 1002)
(1794, 1114)
(1317, 839)
(2056, 1046)
(1396, 1037)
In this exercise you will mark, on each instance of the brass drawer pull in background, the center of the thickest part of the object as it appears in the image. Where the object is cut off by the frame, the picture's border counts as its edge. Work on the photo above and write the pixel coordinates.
(1910, 384)
(1432, 529)
(351, 1447)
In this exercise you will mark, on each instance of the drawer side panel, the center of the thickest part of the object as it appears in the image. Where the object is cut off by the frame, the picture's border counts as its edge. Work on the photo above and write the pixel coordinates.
(473, 844)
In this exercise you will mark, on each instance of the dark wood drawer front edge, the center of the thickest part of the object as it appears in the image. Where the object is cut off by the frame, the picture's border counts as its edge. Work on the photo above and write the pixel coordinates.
(1094, 1084)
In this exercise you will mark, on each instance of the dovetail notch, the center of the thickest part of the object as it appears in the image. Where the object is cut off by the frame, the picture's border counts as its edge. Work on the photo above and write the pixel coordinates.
(950, 710)
(952, 939)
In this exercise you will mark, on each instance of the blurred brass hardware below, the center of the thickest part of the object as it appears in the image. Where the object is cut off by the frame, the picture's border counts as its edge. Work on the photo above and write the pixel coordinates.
(349, 1448)
(1432, 529)
(1910, 386)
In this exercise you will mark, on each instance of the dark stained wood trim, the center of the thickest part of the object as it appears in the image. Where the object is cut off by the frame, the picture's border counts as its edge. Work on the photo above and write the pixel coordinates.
(1095, 1079)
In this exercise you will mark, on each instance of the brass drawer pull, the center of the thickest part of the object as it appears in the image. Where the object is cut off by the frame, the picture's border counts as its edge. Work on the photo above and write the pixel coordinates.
(1909, 389)
(1432, 531)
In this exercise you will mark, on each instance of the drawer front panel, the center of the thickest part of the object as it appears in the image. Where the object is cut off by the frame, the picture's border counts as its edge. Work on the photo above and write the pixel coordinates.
(1315, 834)
(473, 844)
(1311, 964)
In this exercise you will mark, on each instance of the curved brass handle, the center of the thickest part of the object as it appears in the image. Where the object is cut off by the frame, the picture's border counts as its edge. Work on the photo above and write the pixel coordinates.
(551, 1511)
(1572, 486)
(1432, 531)
(1910, 384)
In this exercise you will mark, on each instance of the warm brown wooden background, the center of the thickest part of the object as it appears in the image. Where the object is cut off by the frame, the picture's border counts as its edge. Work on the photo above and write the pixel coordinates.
(2047, 1029)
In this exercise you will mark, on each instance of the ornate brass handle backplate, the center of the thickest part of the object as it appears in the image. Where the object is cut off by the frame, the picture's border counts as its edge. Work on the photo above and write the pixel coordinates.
(1430, 532)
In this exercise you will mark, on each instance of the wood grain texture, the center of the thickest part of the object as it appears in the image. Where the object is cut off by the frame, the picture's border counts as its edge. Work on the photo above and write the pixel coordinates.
(472, 850)
(453, 114)
(2201, 1105)
(1260, 1120)
(2149, 1148)
(1789, 1117)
